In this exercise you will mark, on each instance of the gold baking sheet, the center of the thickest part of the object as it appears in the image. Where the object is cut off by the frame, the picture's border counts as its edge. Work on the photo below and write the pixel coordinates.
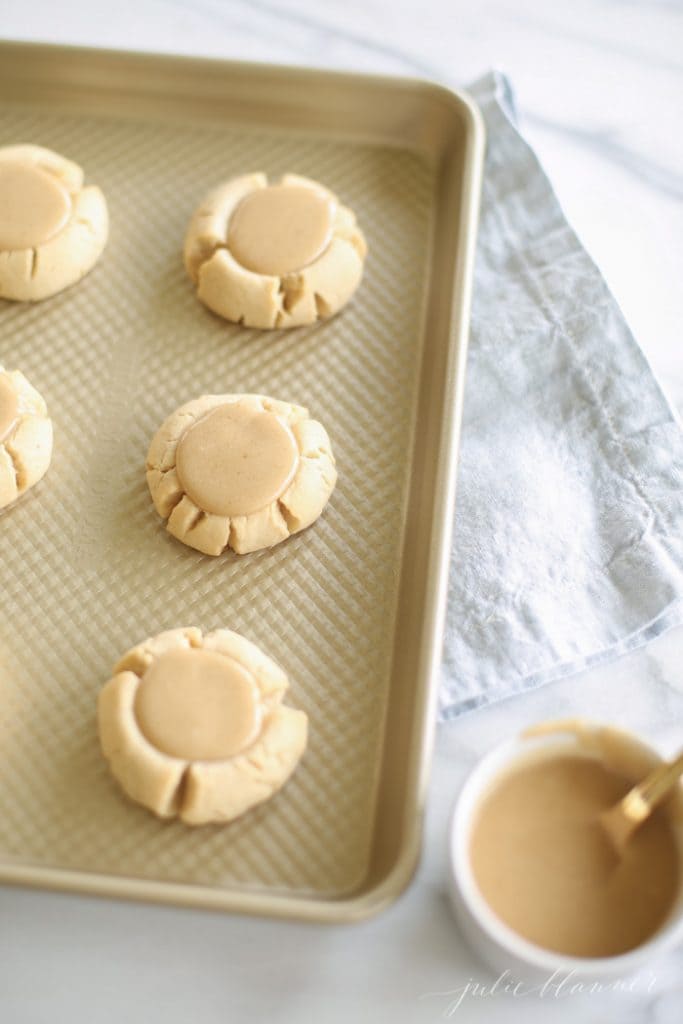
(352, 608)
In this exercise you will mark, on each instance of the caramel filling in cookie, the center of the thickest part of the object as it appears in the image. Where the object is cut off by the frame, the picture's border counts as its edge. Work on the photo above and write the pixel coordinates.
(236, 460)
(9, 406)
(280, 229)
(34, 206)
(198, 705)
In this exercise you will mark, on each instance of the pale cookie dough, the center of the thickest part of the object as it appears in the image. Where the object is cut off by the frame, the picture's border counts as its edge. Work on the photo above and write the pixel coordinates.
(239, 471)
(52, 228)
(194, 726)
(25, 436)
(278, 255)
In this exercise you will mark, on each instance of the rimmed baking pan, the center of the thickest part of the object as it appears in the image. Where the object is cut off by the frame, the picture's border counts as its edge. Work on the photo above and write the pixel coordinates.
(352, 608)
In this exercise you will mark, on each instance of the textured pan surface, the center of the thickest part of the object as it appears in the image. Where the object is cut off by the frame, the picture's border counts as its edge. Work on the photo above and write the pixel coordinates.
(87, 568)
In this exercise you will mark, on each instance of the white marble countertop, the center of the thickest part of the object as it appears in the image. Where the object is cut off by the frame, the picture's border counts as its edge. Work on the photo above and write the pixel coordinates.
(600, 91)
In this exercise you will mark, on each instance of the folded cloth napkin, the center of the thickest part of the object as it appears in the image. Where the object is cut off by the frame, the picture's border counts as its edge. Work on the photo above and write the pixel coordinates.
(568, 540)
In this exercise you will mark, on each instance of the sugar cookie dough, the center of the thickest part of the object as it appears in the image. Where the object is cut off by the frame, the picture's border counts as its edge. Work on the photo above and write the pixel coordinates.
(277, 255)
(52, 228)
(25, 436)
(239, 471)
(193, 726)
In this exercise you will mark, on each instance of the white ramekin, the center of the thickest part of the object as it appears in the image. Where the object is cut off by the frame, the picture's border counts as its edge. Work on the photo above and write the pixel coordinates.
(501, 948)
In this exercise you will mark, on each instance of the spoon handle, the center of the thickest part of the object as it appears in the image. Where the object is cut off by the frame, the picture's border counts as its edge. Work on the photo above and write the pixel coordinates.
(657, 785)
(639, 801)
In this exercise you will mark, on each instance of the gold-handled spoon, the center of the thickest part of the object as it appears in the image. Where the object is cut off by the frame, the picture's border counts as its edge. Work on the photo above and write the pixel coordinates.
(620, 821)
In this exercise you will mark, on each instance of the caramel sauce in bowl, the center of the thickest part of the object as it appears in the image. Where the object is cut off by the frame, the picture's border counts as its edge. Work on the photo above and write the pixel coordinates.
(536, 891)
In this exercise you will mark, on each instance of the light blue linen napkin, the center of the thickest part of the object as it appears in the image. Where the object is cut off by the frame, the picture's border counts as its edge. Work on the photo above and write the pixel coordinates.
(568, 541)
